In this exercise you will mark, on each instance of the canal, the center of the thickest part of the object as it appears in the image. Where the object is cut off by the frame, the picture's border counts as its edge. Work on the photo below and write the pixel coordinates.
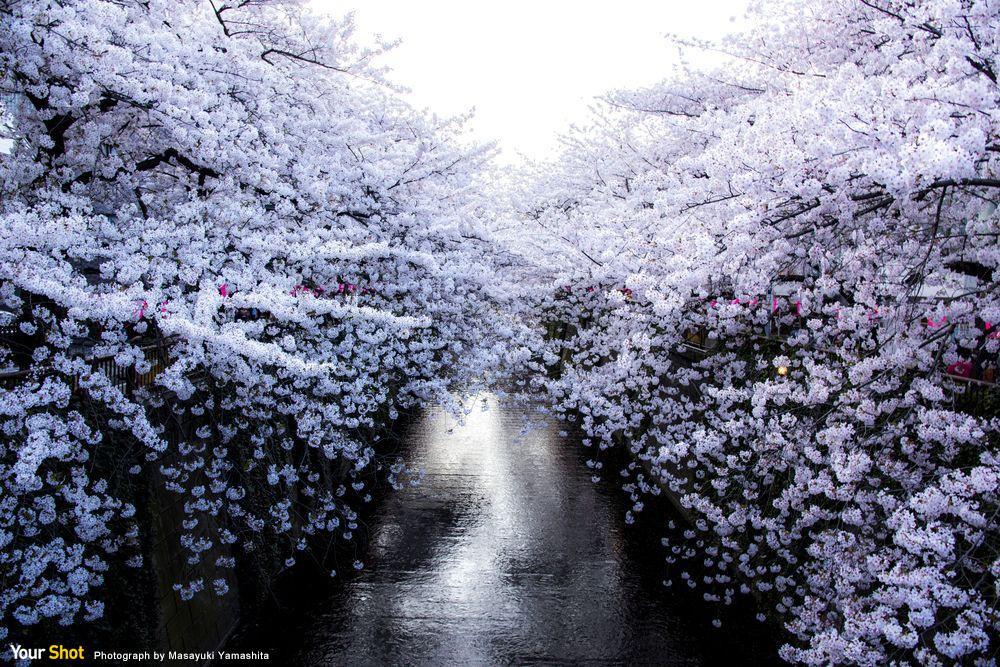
(506, 553)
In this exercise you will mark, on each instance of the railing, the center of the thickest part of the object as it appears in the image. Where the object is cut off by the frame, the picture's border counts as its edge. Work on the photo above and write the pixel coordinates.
(125, 378)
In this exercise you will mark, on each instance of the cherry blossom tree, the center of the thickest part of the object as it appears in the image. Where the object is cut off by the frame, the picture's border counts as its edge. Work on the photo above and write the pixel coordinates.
(216, 212)
(774, 282)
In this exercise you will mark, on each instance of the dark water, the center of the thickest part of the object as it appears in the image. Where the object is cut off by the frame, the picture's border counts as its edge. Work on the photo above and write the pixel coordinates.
(507, 553)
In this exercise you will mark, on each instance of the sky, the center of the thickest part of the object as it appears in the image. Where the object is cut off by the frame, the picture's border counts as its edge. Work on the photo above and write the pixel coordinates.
(530, 68)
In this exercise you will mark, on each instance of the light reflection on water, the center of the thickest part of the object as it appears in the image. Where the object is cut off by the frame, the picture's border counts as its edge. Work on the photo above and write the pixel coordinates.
(507, 553)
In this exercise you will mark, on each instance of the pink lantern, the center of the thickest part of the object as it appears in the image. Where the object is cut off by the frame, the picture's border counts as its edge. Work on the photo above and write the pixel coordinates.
(960, 368)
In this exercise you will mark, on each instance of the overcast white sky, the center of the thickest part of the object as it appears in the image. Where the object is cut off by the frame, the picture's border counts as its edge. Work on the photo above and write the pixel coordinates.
(531, 67)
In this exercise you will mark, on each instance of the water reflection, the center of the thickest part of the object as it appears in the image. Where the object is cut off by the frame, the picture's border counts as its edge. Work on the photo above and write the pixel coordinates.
(506, 553)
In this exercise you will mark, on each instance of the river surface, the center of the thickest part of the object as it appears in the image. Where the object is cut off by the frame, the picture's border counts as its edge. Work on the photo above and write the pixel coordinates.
(506, 553)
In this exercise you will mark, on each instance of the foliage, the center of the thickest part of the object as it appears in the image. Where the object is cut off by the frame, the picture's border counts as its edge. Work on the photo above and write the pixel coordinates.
(769, 273)
(228, 202)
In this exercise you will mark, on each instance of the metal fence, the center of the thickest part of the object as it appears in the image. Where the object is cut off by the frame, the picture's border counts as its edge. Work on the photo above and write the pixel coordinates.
(124, 377)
